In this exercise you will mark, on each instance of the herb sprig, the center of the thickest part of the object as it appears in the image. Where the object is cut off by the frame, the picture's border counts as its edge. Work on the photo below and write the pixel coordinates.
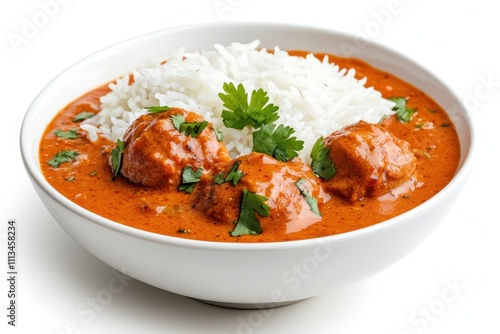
(69, 134)
(269, 139)
(247, 222)
(193, 129)
(403, 113)
(234, 175)
(189, 179)
(117, 157)
(311, 200)
(83, 116)
(322, 163)
(62, 156)
(240, 113)
(277, 142)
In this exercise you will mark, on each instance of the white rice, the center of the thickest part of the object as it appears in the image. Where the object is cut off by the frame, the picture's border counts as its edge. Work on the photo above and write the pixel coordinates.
(314, 97)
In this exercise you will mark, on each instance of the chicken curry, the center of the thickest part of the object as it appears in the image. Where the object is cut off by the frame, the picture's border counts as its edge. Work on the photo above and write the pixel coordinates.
(172, 175)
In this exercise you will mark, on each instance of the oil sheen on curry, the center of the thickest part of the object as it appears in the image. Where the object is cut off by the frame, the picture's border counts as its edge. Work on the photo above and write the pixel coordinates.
(172, 175)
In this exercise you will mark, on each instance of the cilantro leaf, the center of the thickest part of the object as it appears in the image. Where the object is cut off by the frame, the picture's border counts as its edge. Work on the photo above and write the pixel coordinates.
(277, 142)
(177, 120)
(62, 156)
(239, 113)
(189, 179)
(117, 157)
(69, 134)
(83, 116)
(157, 109)
(234, 175)
(251, 205)
(218, 134)
(192, 129)
(322, 163)
(403, 113)
(313, 203)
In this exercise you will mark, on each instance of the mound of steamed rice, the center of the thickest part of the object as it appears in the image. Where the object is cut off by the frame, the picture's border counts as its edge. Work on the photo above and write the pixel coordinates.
(314, 97)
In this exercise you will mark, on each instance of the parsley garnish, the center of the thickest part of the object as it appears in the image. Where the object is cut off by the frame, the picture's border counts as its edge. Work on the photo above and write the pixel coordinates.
(322, 163)
(234, 175)
(218, 134)
(313, 203)
(247, 223)
(157, 109)
(403, 113)
(177, 120)
(70, 134)
(189, 179)
(277, 142)
(192, 129)
(62, 156)
(83, 116)
(116, 157)
(239, 113)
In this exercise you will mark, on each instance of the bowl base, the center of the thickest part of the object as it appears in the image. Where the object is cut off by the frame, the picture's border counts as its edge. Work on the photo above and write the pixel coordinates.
(248, 306)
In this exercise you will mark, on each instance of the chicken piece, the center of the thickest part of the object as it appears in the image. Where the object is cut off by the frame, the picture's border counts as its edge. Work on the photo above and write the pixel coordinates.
(369, 161)
(261, 174)
(156, 152)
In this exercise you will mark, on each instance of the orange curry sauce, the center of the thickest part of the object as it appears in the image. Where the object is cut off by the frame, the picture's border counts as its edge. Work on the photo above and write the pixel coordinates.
(88, 182)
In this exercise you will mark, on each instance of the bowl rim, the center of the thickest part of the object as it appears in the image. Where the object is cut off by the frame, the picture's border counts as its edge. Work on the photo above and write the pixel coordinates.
(37, 177)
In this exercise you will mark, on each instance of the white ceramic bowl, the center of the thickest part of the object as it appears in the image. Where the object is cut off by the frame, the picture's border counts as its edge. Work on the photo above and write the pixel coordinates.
(239, 275)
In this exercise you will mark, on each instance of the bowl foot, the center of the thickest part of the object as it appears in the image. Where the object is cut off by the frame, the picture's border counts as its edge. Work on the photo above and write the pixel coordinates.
(248, 306)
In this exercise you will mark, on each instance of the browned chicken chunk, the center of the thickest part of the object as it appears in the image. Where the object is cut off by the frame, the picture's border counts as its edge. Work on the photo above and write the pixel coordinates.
(157, 147)
(284, 185)
(369, 161)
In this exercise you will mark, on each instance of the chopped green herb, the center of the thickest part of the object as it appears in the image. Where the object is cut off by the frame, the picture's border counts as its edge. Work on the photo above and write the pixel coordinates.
(322, 163)
(234, 175)
(182, 231)
(117, 157)
(62, 156)
(313, 203)
(189, 179)
(445, 125)
(94, 173)
(218, 134)
(69, 134)
(403, 113)
(83, 116)
(251, 205)
(157, 109)
(192, 129)
(70, 178)
(239, 113)
(277, 143)
(177, 120)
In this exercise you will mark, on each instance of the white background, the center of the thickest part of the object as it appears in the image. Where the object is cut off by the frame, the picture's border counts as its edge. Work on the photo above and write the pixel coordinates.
(458, 41)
